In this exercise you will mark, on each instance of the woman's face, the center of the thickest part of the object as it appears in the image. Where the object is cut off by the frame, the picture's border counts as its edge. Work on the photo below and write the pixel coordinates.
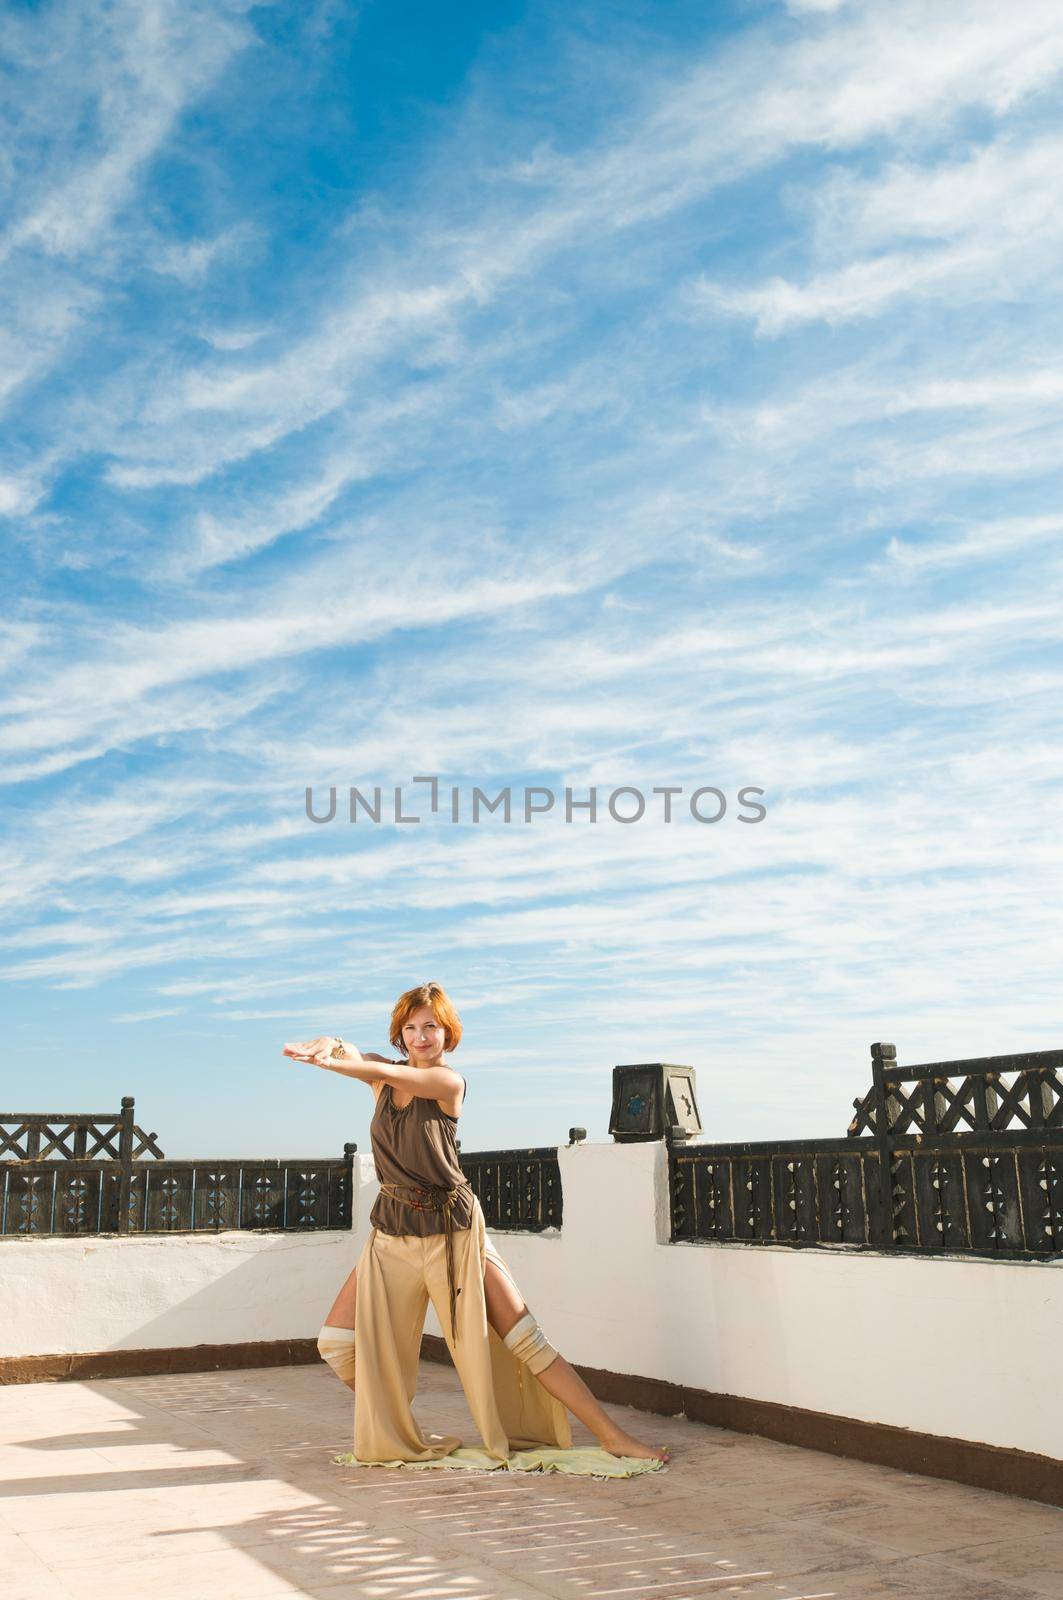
(423, 1036)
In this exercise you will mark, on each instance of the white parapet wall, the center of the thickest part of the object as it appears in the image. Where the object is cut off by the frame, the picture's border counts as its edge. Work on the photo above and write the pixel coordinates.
(964, 1348)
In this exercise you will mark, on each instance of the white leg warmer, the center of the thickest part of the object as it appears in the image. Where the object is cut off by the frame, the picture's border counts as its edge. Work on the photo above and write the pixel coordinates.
(336, 1346)
(528, 1343)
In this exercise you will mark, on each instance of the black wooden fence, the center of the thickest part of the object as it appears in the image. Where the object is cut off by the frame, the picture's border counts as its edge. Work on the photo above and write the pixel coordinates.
(98, 1172)
(950, 1156)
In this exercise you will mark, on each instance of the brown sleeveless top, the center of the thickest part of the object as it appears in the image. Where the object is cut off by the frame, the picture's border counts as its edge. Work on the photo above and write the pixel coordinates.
(414, 1147)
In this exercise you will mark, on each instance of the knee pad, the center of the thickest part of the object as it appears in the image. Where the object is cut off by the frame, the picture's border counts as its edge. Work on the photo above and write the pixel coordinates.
(336, 1346)
(527, 1341)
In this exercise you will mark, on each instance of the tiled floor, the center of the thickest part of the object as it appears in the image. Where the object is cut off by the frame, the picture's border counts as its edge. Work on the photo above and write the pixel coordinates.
(219, 1486)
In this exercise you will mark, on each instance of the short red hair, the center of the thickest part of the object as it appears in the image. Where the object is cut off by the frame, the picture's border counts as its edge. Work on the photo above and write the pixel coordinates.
(426, 994)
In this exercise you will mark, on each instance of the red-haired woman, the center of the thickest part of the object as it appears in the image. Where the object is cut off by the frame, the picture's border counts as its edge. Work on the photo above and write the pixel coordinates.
(427, 1241)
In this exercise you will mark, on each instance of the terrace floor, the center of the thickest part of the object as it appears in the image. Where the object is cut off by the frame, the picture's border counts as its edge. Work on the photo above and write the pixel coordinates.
(219, 1486)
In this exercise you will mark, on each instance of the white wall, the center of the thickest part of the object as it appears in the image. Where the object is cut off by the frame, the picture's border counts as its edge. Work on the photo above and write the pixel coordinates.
(959, 1347)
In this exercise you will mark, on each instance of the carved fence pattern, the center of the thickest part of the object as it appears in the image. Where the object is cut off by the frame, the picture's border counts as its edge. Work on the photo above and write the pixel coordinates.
(518, 1189)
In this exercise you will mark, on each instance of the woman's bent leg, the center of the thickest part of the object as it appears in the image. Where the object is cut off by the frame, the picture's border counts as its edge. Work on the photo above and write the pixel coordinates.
(506, 1309)
(335, 1342)
(530, 1415)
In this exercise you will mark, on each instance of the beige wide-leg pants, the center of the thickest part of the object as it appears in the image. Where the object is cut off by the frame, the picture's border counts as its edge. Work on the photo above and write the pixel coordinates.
(397, 1275)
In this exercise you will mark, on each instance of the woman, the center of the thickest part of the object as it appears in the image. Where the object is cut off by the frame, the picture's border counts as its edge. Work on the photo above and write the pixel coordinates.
(427, 1240)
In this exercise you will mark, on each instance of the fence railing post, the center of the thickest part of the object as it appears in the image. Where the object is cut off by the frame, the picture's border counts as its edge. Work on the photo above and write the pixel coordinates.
(125, 1157)
(884, 1056)
(349, 1153)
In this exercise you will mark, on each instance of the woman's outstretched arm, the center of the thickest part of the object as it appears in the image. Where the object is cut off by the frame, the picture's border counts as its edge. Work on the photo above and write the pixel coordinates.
(426, 1082)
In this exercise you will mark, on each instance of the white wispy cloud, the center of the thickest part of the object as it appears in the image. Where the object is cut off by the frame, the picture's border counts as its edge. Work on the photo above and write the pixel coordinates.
(96, 92)
(148, 1016)
(985, 541)
(986, 226)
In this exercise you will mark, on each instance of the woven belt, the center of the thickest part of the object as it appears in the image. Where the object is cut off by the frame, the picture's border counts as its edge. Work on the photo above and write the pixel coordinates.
(435, 1197)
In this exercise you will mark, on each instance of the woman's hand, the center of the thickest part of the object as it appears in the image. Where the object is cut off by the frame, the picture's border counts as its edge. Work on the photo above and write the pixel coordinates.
(316, 1051)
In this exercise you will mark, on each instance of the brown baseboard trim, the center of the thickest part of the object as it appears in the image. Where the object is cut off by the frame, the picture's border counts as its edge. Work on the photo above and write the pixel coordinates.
(982, 1466)
(140, 1363)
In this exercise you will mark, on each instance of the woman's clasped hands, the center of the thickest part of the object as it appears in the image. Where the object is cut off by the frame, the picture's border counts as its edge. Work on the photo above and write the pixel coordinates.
(327, 1049)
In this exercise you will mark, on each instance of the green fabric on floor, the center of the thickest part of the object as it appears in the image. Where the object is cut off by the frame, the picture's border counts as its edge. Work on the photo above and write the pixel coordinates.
(586, 1461)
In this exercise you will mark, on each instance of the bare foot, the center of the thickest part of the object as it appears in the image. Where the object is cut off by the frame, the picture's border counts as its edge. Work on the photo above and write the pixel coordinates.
(619, 1443)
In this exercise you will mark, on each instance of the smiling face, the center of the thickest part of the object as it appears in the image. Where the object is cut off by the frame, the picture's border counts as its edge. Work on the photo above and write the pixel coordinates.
(424, 1037)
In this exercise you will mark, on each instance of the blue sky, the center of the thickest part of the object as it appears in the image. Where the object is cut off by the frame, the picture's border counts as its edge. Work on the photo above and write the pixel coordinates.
(641, 394)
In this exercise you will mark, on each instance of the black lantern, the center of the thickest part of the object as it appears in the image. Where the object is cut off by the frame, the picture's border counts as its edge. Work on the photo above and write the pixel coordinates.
(653, 1100)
